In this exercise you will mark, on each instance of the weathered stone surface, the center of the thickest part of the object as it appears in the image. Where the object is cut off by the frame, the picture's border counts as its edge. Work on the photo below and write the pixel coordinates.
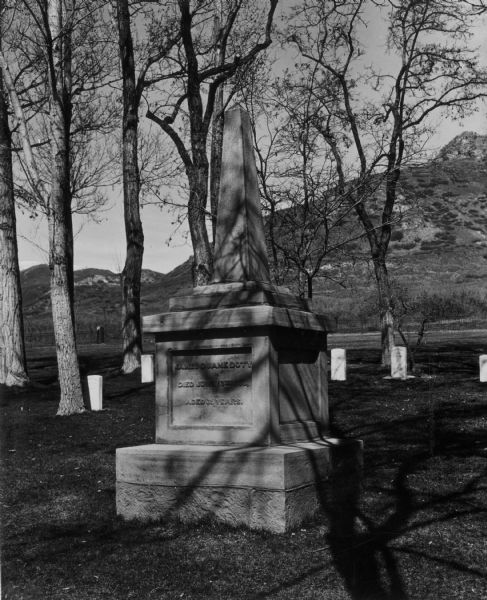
(302, 504)
(273, 511)
(228, 505)
(145, 502)
(241, 390)
(211, 389)
(274, 488)
(232, 318)
(240, 252)
(268, 510)
(274, 467)
(246, 293)
(228, 391)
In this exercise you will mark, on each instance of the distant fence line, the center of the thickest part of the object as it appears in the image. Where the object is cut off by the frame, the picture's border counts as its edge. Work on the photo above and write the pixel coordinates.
(36, 336)
(85, 334)
(343, 325)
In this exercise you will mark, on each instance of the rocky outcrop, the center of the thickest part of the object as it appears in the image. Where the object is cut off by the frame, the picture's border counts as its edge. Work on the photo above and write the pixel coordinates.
(465, 145)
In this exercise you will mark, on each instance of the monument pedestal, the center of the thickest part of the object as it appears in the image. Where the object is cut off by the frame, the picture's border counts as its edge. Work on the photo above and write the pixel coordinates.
(241, 418)
(274, 488)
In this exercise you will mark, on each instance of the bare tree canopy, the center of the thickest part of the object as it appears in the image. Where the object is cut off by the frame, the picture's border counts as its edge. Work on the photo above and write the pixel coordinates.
(51, 85)
(375, 121)
(183, 89)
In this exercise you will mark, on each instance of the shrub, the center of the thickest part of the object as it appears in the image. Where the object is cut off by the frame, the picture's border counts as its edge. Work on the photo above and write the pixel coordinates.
(407, 245)
(397, 235)
(460, 304)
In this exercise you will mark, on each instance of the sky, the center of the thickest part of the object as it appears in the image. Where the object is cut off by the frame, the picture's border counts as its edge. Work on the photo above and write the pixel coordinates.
(101, 243)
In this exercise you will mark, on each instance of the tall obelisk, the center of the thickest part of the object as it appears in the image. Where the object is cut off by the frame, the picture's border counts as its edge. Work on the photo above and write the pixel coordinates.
(240, 251)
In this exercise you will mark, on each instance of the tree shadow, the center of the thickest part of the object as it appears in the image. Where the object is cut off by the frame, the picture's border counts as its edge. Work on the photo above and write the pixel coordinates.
(361, 547)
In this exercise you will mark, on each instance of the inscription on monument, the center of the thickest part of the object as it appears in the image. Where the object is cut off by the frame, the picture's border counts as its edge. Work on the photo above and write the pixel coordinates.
(211, 389)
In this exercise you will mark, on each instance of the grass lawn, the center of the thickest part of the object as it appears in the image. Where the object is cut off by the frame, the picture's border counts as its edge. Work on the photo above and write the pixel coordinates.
(418, 530)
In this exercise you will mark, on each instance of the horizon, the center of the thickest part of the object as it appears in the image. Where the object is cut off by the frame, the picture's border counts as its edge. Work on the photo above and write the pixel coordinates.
(100, 243)
(26, 265)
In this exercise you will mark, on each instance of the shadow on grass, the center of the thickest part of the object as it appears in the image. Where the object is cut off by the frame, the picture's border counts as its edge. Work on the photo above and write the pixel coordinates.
(366, 551)
(366, 542)
(362, 548)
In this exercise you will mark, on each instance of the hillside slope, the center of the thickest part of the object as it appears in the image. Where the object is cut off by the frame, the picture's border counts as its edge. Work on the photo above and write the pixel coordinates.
(439, 244)
(439, 238)
(98, 296)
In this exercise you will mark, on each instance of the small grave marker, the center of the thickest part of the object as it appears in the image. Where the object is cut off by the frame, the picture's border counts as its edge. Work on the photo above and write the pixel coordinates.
(399, 365)
(147, 368)
(100, 334)
(95, 387)
(483, 367)
(338, 369)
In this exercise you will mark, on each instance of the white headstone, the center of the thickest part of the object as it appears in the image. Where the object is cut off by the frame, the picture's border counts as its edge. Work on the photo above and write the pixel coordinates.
(338, 368)
(399, 363)
(95, 387)
(147, 368)
(483, 367)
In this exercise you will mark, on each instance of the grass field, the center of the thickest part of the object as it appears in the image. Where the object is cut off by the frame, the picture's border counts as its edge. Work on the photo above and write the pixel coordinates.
(418, 530)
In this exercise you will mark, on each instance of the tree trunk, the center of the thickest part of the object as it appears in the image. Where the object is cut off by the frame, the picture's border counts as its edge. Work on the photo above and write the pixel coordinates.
(198, 195)
(70, 262)
(386, 310)
(216, 158)
(421, 332)
(59, 214)
(410, 351)
(309, 280)
(59, 263)
(13, 369)
(216, 134)
(132, 271)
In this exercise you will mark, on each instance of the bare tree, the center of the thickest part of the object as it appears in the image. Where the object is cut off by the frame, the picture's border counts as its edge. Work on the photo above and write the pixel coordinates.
(192, 75)
(309, 221)
(56, 32)
(13, 365)
(384, 117)
(131, 273)
(132, 88)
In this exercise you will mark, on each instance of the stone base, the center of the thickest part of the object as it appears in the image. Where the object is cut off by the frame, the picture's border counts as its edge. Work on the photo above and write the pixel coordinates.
(273, 488)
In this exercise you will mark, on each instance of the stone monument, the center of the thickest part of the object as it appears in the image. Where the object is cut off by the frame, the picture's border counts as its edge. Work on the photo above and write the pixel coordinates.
(241, 384)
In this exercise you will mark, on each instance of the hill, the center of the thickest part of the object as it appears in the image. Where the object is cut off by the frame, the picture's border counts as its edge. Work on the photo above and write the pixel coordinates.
(98, 296)
(439, 238)
(439, 245)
